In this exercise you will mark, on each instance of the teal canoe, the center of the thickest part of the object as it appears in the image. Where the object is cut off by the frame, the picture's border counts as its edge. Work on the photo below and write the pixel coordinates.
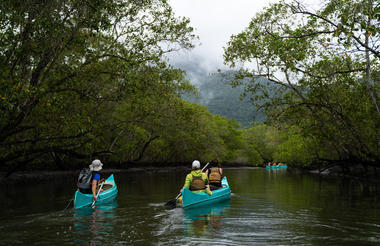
(194, 199)
(85, 200)
(276, 167)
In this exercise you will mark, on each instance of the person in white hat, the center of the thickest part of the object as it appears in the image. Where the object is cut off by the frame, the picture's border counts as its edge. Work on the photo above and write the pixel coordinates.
(89, 178)
(197, 181)
(95, 167)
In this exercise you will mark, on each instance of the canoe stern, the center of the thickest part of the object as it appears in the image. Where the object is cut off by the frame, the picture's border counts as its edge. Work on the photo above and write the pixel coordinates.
(193, 199)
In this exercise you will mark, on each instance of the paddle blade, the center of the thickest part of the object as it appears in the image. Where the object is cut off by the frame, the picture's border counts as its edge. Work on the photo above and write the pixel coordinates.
(172, 203)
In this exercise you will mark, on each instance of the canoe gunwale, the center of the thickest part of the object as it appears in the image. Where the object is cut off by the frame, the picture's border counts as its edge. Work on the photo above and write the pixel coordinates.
(208, 200)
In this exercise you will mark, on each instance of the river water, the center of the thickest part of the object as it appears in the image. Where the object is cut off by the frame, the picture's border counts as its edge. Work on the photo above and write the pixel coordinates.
(267, 207)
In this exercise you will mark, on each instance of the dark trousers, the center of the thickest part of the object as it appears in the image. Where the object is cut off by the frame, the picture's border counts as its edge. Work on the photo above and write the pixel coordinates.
(85, 191)
(215, 186)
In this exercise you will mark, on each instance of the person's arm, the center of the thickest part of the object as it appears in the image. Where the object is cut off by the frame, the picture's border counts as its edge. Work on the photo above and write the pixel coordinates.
(208, 191)
(205, 178)
(94, 185)
(221, 171)
(188, 181)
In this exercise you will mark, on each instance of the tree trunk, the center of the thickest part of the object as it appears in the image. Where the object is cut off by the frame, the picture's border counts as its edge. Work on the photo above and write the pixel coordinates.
(145, 147)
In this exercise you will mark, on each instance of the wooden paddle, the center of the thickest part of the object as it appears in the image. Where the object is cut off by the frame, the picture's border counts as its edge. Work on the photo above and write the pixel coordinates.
(173, 202)
(101, 186)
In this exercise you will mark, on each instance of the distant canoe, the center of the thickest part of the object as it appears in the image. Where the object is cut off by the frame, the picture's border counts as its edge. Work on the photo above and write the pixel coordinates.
(275, 167)
(84, 200)
(194, 199)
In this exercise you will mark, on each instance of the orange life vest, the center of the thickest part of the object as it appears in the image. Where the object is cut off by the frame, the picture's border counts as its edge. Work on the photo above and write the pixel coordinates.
(197, 184)
(214, 175)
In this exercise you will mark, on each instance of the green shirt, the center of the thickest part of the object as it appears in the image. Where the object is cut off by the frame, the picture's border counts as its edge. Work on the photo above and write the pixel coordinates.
(195, 173)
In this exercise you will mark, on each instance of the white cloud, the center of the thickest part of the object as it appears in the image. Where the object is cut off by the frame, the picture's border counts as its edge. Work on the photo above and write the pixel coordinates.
(214, 22)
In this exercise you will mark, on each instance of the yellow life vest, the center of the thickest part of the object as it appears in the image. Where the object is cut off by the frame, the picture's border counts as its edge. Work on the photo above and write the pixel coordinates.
(197, 184)
(214, 175)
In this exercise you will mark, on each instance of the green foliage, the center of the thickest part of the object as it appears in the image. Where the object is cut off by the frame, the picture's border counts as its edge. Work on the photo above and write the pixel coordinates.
(230, 136)
(322, 67)
(295, 149)
(68, 69)
(260, 143)
(81, 81)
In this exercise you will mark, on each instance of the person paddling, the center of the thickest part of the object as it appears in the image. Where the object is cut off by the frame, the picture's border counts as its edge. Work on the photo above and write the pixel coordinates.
(197, 181)
(214, 174)
(89, 179)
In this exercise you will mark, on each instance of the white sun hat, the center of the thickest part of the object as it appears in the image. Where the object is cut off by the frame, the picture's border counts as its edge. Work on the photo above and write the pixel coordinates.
(96, 165)
(196, 164)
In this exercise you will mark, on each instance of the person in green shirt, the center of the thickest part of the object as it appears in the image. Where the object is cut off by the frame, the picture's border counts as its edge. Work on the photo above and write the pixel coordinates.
(197, 181)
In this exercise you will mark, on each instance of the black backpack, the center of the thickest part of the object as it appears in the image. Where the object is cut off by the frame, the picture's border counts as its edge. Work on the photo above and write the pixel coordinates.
(84, 179)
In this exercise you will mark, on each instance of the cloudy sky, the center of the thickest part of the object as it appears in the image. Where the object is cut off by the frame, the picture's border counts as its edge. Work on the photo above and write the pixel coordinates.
(214, 22)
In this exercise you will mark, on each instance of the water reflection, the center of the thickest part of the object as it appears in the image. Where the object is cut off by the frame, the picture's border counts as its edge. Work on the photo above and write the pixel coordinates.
(93, 225)
(279, 207)
(273, 172)
(205, 220)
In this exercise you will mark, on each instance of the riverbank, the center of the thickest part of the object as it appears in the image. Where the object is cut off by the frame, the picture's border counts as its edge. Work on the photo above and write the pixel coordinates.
(353, 172)
(40, 176)
(43, 175)
(33, 177)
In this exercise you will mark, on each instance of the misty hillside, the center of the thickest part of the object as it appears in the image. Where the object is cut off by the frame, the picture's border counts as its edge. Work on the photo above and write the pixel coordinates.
(216, 93)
